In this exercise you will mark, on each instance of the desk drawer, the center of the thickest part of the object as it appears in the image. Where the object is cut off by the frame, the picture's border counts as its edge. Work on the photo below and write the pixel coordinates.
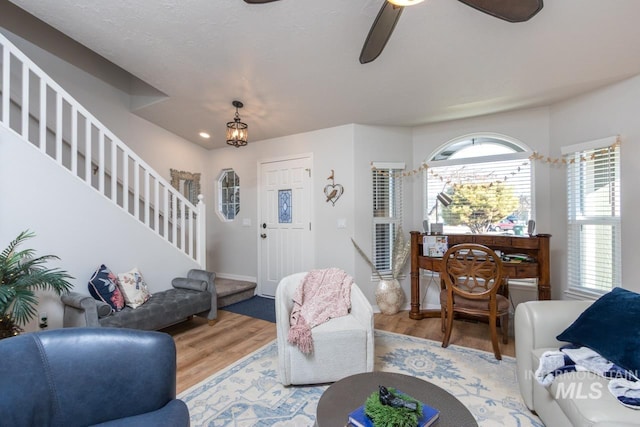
(493, 240)
(520, 270)
(454, 239)
(524, 242)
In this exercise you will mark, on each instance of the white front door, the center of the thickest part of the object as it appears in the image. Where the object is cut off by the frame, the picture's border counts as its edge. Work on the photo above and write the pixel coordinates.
(284, 227)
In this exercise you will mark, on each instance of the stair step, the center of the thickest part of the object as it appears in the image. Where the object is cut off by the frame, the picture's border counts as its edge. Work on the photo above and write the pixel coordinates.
(232, 291)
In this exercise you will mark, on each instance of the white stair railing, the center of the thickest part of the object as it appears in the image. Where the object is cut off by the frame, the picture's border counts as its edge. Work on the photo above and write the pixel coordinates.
(44, 114)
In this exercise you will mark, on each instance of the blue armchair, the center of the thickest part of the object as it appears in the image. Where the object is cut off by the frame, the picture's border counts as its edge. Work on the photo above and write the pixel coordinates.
(89, 376)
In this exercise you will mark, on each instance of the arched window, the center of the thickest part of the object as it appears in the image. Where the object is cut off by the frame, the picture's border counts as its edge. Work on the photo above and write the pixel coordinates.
(479, 183)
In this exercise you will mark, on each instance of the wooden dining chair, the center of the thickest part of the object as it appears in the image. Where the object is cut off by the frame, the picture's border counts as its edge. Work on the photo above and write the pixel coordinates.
(472, 275)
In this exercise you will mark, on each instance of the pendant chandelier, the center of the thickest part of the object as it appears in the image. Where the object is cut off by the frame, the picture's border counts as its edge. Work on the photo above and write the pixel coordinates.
(237, 130)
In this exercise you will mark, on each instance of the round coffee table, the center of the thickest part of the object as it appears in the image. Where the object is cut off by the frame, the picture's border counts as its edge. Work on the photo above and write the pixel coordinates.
(345, 395)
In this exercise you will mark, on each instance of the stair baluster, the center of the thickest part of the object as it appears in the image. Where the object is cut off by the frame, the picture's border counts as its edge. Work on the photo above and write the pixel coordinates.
(44, 114)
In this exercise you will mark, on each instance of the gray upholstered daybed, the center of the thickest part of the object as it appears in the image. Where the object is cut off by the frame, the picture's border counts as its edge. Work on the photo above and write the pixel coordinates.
(193, 295)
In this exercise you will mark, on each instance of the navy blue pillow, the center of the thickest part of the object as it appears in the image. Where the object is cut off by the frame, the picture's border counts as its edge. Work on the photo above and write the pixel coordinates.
(103, 286)
(610, 327)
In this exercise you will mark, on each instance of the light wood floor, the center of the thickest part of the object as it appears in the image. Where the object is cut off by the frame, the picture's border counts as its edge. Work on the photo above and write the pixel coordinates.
(203, 350)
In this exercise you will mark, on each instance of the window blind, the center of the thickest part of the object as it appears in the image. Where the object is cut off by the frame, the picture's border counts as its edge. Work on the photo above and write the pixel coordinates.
(487, 194)
(594, 217)
(387, 212)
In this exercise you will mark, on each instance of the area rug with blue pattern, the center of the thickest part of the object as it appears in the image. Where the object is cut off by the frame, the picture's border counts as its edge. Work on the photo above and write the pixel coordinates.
(248, 393)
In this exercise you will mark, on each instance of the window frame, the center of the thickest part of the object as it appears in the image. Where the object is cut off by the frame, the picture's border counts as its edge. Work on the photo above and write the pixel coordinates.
(577, 272)
(523, 153)
(223, 199)
(395, 170)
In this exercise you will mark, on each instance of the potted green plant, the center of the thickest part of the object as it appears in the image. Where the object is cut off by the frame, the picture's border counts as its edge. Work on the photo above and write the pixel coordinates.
(21, 274)
(389, 295)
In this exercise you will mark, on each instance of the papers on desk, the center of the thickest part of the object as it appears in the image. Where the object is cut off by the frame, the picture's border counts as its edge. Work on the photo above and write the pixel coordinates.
(434, 246)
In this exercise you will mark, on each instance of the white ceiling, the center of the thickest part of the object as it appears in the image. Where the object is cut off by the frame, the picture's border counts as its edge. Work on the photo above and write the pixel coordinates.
(294, 63)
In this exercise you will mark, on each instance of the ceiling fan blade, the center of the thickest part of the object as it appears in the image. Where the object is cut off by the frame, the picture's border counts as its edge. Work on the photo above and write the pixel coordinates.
(258, 1)
(509, 10)
(380, 32)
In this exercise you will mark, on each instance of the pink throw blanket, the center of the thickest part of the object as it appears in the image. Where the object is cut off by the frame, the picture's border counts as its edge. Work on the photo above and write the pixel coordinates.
(322, 295)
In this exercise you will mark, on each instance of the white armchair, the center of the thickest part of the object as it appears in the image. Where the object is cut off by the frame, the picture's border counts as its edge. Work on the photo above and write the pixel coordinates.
(342, 346)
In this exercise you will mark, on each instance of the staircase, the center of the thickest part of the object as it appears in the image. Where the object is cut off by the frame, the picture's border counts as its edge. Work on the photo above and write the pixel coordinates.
(36, 110)
(48, 118)
(232, 291)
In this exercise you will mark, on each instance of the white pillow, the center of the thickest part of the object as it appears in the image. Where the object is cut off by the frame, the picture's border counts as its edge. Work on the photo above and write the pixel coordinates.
(134, 288)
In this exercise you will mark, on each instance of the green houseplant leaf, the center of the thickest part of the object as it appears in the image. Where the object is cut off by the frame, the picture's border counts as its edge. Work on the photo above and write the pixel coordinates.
(21, 275)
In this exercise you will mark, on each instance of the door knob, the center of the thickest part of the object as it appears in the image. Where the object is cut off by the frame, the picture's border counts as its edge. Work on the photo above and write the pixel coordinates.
(263, 235)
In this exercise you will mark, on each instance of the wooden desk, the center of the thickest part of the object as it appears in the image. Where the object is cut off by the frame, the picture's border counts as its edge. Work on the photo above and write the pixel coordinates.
(535, 246)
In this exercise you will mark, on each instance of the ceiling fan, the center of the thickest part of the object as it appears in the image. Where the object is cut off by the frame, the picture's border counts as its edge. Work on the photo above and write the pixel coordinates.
(385, 22)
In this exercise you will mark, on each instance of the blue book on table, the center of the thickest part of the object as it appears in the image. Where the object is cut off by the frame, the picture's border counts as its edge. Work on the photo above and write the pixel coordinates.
(359, 419)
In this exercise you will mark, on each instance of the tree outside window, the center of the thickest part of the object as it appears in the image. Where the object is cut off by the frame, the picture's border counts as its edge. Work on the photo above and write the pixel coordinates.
(487, 179)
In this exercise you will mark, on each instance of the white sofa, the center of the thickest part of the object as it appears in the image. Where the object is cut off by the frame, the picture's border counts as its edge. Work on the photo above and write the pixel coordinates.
(342, 346)
(573, 399)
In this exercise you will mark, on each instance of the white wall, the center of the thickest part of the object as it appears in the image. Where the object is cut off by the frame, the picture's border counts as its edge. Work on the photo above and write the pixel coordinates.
(349, 151)
(379, 144)
(76, 223)
(233, 248)
(606, 112)
(610, 111)
(161, 149)
(530, 127)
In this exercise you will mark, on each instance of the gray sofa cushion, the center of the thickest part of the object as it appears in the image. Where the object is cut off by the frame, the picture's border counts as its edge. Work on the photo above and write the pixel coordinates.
(103, 309)
(194, 295)
(162, 309)
(193, 284)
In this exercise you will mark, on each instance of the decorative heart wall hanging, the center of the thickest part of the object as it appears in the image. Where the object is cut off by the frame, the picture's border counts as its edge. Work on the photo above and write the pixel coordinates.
(333, 191)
